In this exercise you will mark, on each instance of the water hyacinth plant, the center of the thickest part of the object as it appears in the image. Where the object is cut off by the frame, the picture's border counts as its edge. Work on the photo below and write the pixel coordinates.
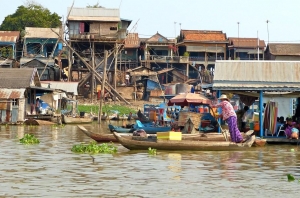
(151, 151)
(94, 148)
(29, 139)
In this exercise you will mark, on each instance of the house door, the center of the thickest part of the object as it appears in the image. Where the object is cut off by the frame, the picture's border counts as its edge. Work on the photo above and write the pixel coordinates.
(14, 113)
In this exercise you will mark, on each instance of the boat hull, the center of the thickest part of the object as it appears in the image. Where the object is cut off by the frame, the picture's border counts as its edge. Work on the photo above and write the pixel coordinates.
(75, 120)
(189, 145)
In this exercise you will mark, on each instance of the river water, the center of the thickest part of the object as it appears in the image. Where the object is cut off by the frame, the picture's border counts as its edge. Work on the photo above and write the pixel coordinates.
(50, 169)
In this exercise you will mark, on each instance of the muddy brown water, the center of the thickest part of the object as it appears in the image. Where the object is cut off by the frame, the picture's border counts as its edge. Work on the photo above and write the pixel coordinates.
(50, 169)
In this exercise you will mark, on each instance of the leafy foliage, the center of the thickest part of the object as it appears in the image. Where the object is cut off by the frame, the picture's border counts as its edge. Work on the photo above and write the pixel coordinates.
(6, 52)
(29, 139)
(30, 15)
(106, 108)
(94, 148)
(152, 151)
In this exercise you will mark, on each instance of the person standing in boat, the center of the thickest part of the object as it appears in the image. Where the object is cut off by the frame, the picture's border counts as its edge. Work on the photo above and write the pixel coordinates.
(229, 116)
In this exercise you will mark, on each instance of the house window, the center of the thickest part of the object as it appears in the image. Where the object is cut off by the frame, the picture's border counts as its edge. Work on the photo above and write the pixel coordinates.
(113, 28)
(15, 102)
(294, 106)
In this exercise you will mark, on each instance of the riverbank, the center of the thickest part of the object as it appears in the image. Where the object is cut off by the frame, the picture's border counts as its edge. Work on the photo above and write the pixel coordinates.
(87, 106)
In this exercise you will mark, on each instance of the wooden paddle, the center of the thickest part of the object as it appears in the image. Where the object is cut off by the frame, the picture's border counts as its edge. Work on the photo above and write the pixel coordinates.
(223, 131)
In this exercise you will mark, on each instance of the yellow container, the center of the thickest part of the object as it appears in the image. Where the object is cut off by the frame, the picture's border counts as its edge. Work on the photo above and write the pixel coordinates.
(171, 135)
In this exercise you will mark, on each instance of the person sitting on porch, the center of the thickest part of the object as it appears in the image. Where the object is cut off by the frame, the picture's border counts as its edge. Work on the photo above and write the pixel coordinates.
(288, 127)
(295, 132)
(37, 106)
(229, 116)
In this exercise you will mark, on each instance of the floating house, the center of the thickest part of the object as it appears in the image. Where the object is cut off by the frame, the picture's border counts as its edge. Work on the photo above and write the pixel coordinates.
(273, 82)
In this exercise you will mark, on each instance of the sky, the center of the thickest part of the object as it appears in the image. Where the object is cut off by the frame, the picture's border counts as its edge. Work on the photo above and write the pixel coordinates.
(167, 16)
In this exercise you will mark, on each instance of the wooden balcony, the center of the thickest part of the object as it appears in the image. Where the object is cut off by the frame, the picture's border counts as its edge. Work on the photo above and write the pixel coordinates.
(166, 59)
(93, 37)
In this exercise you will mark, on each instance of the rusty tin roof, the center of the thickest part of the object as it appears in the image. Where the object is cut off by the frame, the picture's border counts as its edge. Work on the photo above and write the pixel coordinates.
(246, 42)
(9, 36)
(11, 93)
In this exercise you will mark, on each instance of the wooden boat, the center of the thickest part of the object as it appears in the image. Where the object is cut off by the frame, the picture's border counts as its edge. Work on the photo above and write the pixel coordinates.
(191, 145)
(98, 136)
(38, 122)
(111, 138)
(120, 129)
(76, 120)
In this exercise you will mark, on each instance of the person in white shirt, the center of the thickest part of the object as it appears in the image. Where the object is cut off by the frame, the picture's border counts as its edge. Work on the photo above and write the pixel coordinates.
(127, 77)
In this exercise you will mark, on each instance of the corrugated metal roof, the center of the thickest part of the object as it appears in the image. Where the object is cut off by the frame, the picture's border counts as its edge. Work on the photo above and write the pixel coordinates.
(9, 36)
(281, 49)
(15, 78)
(246, 42)
(34, 32)
(93, 14)
(11, 93)
(257, 75)
(132, 40)
(44, 60)
(70, 87)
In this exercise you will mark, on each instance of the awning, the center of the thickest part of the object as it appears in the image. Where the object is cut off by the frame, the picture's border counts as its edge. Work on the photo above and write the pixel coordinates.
(164, 70)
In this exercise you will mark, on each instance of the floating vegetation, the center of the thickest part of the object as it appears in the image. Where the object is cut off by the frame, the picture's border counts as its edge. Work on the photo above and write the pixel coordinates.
(151, 151)
(94, 148)
(291, 178)
(29, 139)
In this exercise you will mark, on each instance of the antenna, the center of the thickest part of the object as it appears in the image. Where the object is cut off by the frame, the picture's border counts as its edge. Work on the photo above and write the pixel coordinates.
(135, 26)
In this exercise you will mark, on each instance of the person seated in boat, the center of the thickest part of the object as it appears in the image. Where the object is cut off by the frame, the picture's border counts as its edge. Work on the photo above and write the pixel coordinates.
(247, 115)
(229, 116)
(288, 127)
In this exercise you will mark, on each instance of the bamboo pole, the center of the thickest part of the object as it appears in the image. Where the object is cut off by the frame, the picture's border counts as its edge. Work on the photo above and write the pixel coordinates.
(102, 86)
(92, 87)
(115, 70)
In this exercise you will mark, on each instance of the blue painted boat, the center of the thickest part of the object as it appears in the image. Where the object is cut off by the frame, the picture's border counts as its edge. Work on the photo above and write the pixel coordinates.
(120, 129)
(148, 128)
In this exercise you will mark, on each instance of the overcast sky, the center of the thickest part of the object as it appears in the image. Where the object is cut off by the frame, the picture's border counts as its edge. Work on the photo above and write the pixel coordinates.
(154, 16)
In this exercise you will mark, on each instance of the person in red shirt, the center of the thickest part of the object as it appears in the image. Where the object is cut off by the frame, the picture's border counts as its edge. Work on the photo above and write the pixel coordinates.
(229, 116)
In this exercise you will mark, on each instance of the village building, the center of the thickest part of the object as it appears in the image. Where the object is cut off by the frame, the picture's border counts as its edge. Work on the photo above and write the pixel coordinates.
(16, 87)
(91, 32)
(40, 47)
(8, 48)
(283, 51)
(161, 54)
(246, 49)
(259, 82)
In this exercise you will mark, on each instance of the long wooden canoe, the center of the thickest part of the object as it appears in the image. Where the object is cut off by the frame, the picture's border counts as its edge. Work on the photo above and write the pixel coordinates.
(99, 137)
(194, 137)
(190, 145)
(74, 120)
(111, 138)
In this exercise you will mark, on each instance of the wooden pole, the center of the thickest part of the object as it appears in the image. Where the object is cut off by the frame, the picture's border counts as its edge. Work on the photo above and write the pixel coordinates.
(135, 89)
(102, 86)
(115, 72)
(92, 90)
(70, 65)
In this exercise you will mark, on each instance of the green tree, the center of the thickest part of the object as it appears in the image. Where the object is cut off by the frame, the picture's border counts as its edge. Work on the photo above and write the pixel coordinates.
(31, 14)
